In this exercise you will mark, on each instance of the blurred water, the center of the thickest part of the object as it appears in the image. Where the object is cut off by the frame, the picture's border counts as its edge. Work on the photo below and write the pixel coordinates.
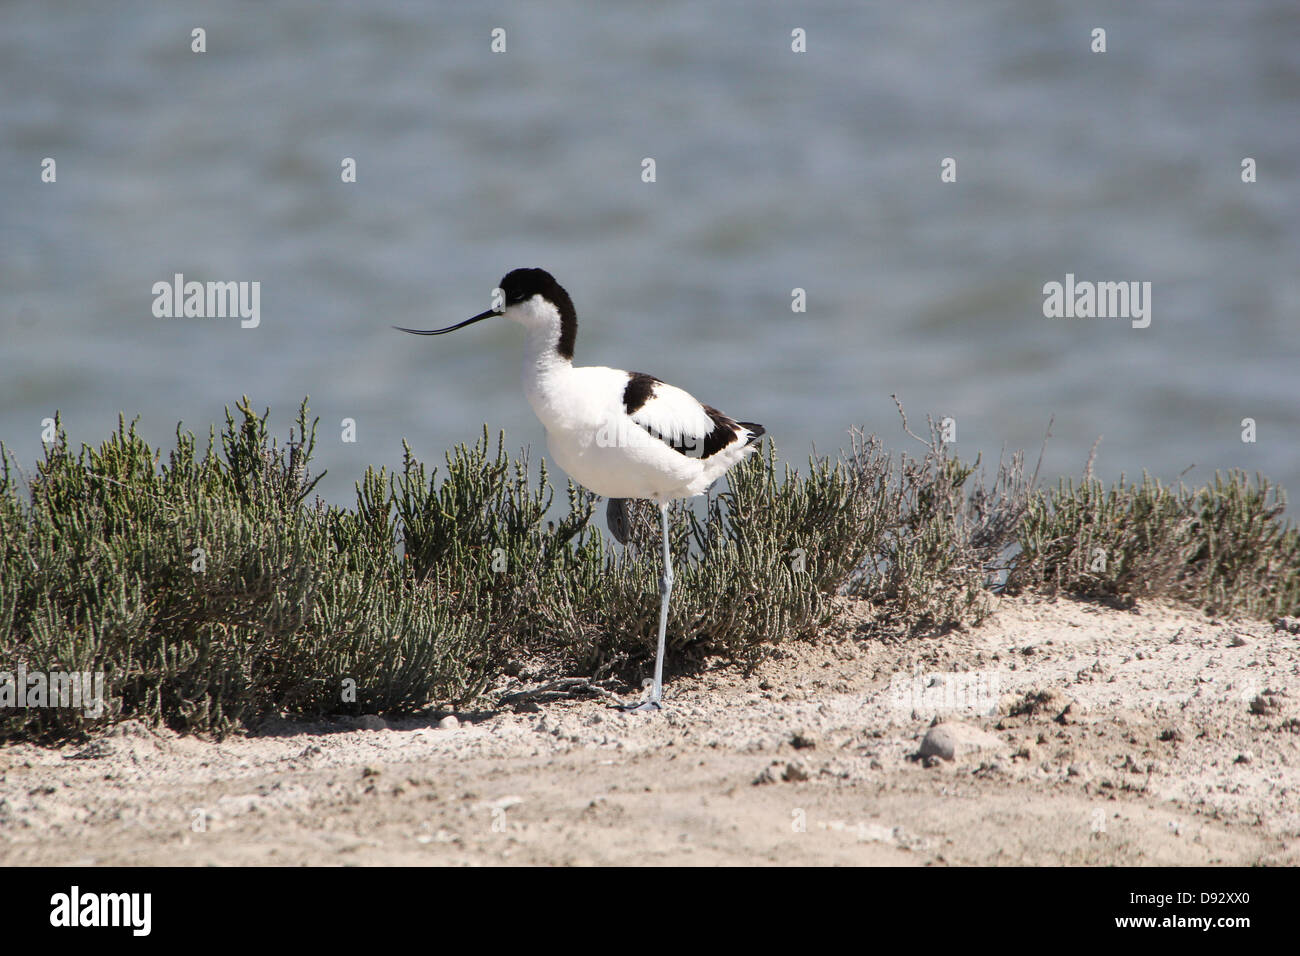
(775, 170)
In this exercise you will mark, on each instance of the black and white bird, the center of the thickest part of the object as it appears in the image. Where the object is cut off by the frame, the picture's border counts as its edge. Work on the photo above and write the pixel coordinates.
(620, 434)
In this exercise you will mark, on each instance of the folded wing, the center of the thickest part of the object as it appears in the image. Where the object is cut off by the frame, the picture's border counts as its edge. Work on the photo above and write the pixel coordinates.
(678, 419)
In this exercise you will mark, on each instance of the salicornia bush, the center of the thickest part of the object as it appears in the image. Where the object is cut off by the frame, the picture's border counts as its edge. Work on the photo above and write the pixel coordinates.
(210, 593)
(1223, 547)
(214, 591)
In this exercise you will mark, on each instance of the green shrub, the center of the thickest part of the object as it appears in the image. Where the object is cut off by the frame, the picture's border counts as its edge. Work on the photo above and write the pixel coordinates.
(208, 592)
(213, 593)
(1223, 548)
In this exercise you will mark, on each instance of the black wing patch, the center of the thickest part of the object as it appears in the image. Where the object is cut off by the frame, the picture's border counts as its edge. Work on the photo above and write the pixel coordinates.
(723, 434)
(640, 388)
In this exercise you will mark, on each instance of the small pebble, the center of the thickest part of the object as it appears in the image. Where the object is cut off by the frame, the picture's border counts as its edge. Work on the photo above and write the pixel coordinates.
(949, 740)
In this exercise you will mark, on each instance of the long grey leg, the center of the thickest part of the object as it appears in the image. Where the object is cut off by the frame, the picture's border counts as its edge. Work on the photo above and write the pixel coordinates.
(665, 591)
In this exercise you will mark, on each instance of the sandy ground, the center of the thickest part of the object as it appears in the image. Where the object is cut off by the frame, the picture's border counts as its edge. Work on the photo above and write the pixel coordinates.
(1080, 735)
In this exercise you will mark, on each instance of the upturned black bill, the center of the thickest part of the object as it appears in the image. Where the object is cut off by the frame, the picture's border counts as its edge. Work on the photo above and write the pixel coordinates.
(451, 328)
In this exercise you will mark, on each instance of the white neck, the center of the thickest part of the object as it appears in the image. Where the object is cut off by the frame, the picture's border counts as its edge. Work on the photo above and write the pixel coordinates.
(542, 364)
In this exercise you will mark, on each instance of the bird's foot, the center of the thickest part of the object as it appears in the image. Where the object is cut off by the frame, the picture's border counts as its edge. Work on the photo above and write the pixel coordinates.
(645, 707)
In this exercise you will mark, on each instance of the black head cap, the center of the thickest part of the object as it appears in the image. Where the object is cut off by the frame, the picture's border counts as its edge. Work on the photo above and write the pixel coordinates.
(520, 285)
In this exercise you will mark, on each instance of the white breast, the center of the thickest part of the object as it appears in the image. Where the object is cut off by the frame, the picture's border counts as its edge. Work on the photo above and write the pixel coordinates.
(595, 441)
